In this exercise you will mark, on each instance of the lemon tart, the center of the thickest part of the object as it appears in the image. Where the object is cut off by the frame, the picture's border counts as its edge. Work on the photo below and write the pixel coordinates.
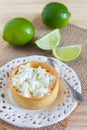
(34, 85)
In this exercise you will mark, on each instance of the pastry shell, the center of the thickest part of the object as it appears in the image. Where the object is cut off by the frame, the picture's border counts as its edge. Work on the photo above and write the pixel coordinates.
(35, 102)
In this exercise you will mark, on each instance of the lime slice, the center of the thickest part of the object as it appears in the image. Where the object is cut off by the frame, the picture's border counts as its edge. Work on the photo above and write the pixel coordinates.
(67, 53)
(49, 41)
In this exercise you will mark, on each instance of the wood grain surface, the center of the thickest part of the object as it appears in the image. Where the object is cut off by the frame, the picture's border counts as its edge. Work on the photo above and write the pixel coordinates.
(32, 10)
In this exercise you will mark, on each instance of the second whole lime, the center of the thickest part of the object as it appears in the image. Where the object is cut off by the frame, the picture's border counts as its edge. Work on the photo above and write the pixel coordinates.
(18, 31)
(55, 15)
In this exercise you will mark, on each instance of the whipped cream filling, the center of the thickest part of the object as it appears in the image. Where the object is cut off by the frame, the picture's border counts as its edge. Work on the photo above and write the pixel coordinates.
(33, 82)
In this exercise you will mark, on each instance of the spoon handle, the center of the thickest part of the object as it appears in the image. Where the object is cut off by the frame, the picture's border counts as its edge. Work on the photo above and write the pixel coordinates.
(76, 95)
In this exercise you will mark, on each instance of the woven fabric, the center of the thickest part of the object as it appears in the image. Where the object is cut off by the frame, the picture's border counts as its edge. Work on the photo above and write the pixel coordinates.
(70, 35)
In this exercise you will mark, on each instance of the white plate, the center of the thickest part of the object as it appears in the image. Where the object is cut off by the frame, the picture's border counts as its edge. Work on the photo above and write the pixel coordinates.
(13, 114)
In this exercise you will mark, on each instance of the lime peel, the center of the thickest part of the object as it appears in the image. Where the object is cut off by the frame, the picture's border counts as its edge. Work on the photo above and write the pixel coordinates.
(18, 31)
(67, 53)
(49, 41)
(56, 15)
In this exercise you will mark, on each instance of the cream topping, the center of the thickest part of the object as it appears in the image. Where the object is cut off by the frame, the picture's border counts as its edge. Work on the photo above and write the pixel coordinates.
(31, 81)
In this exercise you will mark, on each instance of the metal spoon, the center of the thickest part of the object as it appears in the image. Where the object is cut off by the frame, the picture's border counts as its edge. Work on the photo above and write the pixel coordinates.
(76, 95)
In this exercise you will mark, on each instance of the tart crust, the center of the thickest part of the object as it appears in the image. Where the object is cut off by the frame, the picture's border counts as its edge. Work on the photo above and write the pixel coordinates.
(35, 102)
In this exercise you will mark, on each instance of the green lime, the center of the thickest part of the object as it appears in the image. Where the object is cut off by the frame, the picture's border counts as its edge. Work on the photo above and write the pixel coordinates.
(67, 53)
(55, 15)
(18, 31)
(49, 41)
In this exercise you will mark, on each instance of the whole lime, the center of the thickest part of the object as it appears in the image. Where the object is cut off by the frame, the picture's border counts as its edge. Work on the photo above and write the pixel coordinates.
(55, 15)
(18, 31)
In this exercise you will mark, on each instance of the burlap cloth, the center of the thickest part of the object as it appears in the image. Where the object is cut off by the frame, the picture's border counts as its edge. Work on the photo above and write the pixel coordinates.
(69, 36)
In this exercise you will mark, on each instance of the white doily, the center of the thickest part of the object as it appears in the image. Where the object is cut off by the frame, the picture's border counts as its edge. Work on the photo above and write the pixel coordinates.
(13, 114)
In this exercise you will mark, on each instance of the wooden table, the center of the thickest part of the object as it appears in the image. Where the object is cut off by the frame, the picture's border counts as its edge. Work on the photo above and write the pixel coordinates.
(31, 9)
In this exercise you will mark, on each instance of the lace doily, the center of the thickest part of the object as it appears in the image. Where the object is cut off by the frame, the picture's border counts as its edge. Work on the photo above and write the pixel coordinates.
(13, 114)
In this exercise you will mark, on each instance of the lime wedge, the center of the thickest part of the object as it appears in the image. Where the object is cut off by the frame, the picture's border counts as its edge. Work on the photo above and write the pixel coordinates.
(49, 41)
(67, 53)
